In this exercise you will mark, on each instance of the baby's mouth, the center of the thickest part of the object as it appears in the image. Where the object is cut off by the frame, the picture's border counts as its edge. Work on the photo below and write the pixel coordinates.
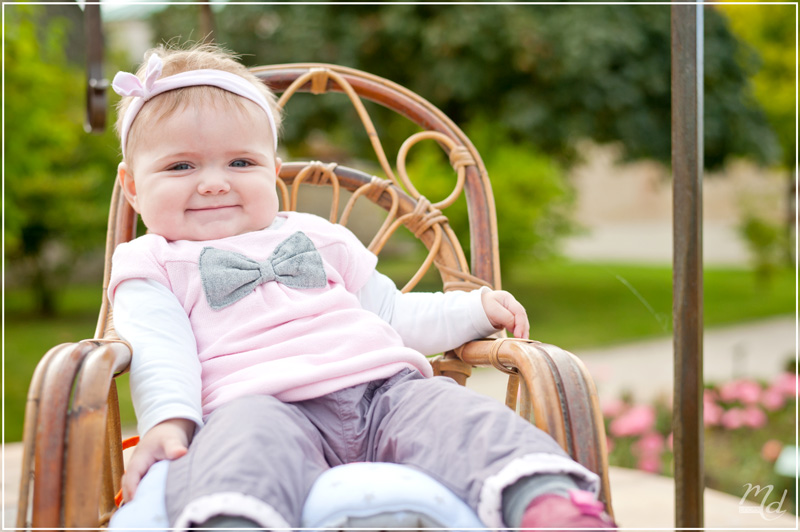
(213, 212)
(211, 208)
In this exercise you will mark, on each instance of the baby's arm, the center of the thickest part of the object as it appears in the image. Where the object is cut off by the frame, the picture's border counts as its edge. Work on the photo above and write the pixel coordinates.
(169, 440)
(164, 376)
(436, 322)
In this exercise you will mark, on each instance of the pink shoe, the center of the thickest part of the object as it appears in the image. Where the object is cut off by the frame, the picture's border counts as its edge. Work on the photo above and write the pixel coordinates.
(581, 510)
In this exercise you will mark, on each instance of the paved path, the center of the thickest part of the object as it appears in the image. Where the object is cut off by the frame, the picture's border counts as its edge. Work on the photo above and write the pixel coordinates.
(650, 242)
(646, 501)
(12, 458)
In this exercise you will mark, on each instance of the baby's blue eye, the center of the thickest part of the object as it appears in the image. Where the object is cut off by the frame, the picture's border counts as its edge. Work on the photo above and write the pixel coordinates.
(240, 163)
(180, 166)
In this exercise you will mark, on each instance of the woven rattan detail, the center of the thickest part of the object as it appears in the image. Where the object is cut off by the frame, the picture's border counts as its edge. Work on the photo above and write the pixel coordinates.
(426, 217)
(493, 357)
(319, 80)
(467, 283)
(461, 157)
(423, 217)
(376, 188)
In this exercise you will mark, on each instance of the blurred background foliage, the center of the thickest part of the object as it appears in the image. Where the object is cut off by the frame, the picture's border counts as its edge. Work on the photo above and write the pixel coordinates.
(58, 178)
(527, 82)
(764, 35)
(548, 75)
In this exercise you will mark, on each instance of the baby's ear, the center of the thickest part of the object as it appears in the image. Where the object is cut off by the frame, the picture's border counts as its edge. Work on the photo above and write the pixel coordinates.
(278, 164)
(125, 178)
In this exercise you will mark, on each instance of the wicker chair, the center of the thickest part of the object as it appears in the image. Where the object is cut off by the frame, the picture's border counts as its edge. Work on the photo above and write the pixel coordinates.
(72, 461)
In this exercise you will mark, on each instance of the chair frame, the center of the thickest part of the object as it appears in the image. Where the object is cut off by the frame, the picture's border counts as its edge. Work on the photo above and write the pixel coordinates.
(72, 458)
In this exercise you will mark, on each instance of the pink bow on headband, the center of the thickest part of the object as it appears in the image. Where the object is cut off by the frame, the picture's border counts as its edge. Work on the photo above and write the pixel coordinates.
(127, 84)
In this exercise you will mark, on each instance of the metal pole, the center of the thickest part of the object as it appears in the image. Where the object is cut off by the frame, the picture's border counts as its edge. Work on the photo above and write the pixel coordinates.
(96, 84)
(687, 307)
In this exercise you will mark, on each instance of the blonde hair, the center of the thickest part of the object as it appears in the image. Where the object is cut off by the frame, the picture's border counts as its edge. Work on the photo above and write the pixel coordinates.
(194, 57)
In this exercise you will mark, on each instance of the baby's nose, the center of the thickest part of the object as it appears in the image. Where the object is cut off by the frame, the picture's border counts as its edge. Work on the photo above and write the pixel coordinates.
(213, 183)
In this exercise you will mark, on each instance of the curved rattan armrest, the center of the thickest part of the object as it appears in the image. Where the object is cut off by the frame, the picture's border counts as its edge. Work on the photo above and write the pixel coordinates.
(557, 394)
(69, 457)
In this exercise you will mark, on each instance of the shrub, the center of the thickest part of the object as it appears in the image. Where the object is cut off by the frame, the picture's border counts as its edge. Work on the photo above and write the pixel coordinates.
(747, 424)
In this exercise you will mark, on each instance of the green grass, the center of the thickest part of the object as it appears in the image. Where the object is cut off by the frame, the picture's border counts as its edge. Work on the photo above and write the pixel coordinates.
(732, 457)
(576, 305)
(572, 305)
(28, 337)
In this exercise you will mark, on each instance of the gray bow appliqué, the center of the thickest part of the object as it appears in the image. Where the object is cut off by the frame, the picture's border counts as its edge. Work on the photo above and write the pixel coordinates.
(228, 276)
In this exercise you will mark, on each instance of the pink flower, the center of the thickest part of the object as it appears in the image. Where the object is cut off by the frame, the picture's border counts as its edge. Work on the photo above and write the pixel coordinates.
(613, 407)
(754, 417)
(733, 419)
(773, 399)
(649, 463)
(650, 443)
(728, 392)
(771, 450)
(749, 392)
(787, 384)
(746, 391)
(712, 414)
(638, 420)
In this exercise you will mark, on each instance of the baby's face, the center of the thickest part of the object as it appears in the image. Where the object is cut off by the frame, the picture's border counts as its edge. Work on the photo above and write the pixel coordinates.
(204, 173)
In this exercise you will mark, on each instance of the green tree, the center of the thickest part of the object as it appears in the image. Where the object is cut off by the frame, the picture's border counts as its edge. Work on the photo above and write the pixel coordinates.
(57, 178)
(548, 75)
(770, 34)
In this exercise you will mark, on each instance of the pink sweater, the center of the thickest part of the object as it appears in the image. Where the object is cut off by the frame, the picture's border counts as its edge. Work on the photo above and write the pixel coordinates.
(294, 344)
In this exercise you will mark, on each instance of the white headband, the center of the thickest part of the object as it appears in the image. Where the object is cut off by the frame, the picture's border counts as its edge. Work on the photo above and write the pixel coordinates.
(126, 84)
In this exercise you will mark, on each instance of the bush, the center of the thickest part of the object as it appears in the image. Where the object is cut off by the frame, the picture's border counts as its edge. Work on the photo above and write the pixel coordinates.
(747, 423)
(57, 177)
(768, 243)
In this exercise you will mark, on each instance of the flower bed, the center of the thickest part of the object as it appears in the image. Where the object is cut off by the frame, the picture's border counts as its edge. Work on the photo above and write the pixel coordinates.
(747, 425)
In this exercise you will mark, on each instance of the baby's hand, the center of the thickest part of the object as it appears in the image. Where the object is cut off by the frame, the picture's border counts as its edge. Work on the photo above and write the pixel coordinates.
(169, 440)
(505, 312)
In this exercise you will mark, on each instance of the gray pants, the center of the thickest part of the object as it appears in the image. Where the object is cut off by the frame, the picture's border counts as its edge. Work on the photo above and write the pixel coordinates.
(272, 452)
